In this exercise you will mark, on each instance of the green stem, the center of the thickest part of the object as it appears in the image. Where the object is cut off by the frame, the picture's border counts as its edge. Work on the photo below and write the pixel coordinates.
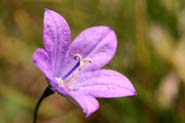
(46, 93)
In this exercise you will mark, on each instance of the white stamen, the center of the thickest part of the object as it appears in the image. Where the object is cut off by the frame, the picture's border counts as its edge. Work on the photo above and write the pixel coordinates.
(60, 82)
(83, 60)
(87, 60)
(72, 88)
(78, 56)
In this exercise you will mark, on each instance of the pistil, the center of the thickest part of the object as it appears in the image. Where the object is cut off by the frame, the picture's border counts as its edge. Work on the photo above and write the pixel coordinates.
(82, 60)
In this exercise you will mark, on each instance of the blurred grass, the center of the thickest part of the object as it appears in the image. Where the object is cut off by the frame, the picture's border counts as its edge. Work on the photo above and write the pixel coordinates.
(151, 50)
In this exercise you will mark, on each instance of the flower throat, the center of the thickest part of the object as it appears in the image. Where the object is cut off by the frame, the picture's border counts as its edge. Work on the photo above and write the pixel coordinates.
(80, 65)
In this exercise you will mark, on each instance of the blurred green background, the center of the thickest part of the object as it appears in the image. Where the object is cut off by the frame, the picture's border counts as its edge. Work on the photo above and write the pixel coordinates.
(151, 53)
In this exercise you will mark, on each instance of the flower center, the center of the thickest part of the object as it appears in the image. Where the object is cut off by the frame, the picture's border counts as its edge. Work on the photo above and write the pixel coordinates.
(73, 76)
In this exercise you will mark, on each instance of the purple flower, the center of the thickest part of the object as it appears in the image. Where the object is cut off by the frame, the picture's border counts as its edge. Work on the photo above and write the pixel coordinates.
(74, 68)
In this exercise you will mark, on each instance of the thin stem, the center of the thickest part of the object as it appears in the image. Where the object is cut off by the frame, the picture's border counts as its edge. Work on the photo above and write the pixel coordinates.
(46, 93)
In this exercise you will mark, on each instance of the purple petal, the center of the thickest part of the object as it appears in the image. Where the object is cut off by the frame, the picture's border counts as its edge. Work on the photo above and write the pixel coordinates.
(88, 103)
(99, 43)
(56, 39)
(41, 59)
(104, 83)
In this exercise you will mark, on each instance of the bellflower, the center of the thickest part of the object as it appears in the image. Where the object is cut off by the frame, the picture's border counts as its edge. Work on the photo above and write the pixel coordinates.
(74, 69)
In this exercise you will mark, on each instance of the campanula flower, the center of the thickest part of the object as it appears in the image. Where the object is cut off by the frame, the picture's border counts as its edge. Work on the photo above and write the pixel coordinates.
(74, 69)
